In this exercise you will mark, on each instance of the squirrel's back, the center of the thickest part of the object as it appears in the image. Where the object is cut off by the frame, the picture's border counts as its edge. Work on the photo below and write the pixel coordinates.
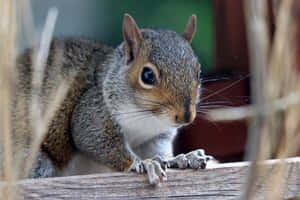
(71, 61)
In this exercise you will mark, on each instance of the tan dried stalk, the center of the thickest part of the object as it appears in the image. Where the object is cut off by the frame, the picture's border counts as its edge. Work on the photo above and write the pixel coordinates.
(40, 121)
(256, 20)
(7, 63)
(275, 116)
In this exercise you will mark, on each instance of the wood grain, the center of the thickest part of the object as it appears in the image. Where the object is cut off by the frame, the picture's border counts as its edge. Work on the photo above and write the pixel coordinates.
(220, 181)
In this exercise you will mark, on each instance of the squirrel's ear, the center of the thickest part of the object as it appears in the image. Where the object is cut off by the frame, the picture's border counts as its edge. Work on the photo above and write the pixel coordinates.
(132, 37)
(190, 28)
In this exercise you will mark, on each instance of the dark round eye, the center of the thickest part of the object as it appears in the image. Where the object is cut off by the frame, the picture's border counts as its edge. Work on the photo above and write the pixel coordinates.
(148, 76)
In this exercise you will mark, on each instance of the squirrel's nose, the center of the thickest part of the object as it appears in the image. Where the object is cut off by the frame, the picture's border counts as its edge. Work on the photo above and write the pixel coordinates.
(185, 117)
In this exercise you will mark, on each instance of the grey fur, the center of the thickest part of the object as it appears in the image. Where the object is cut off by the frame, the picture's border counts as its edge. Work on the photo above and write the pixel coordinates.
(96, 134)
(43, 167)
(92, 125)
(171, 53)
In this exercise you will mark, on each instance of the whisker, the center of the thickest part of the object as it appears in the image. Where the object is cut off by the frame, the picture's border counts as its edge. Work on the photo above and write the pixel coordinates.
(202, 111)
(213, 123)
(132, 112)
(225, 88)
(213, 102)
(212, 94)
(154, 102)
(147, 100)
(214, 79)
(220, 77)
(139, 117)
(204, 117)
(215, 106)
(126, 118)
(135, 114)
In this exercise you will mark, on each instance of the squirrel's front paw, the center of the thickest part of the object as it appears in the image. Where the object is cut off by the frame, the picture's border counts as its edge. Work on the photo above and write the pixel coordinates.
(193, 160)
(155, 169)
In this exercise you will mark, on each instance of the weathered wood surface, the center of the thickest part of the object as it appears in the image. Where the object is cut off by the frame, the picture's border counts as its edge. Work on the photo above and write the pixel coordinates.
(222, 181)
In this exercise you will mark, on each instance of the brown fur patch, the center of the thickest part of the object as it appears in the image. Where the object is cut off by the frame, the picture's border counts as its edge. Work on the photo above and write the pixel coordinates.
(66, 58)
(126, 165)
(57, 143)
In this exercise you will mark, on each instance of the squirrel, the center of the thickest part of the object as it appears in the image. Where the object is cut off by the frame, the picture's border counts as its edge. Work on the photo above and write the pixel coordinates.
(123, 108)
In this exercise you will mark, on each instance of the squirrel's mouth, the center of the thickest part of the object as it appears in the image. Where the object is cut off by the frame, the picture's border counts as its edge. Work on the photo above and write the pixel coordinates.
(180, 125)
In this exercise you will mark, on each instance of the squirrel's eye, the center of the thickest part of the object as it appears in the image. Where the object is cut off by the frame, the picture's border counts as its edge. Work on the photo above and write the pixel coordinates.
(148, 76)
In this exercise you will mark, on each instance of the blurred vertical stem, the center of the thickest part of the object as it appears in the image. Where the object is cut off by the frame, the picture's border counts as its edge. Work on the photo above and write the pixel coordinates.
(39, 124)
(7, 64)
(259, 44)
(284, 80)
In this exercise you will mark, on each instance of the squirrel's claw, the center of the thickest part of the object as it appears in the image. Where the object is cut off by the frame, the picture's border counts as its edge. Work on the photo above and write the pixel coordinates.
(137, 166)
(193, 160)
(155, 169)
(163, 163)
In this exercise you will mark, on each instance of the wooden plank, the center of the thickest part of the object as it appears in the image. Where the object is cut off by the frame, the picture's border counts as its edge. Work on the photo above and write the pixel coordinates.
(221, 181)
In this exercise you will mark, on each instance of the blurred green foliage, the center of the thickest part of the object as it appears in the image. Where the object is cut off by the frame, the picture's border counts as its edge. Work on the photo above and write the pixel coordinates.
(102, 19)
(167, 14)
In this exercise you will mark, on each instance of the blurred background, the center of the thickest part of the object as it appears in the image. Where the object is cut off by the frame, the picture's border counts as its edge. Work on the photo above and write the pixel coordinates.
(101, 20)
(220, 43)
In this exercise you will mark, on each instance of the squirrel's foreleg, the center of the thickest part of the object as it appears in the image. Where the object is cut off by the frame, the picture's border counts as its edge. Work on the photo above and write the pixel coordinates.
(96, 134)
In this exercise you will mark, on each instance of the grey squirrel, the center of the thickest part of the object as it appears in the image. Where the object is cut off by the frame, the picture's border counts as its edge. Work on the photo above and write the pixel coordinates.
(124, 105)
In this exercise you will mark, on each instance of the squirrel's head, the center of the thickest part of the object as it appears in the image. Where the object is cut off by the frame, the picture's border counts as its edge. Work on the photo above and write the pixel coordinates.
(158, 74)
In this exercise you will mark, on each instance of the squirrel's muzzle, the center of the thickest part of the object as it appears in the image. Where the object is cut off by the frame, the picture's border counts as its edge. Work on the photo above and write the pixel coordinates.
(186, 116)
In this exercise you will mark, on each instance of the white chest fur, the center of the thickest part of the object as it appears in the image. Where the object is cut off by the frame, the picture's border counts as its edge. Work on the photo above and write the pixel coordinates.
(140, 127)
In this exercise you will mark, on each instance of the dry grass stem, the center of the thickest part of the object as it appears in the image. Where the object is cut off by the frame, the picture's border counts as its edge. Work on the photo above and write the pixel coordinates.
(39, 123)
(258, 37)
(40, 113)
(245, 112)
(7, 63)
(26, 23)
(274, 114)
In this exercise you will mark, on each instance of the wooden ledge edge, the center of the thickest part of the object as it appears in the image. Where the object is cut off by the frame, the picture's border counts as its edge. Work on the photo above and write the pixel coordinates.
(218, 181)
